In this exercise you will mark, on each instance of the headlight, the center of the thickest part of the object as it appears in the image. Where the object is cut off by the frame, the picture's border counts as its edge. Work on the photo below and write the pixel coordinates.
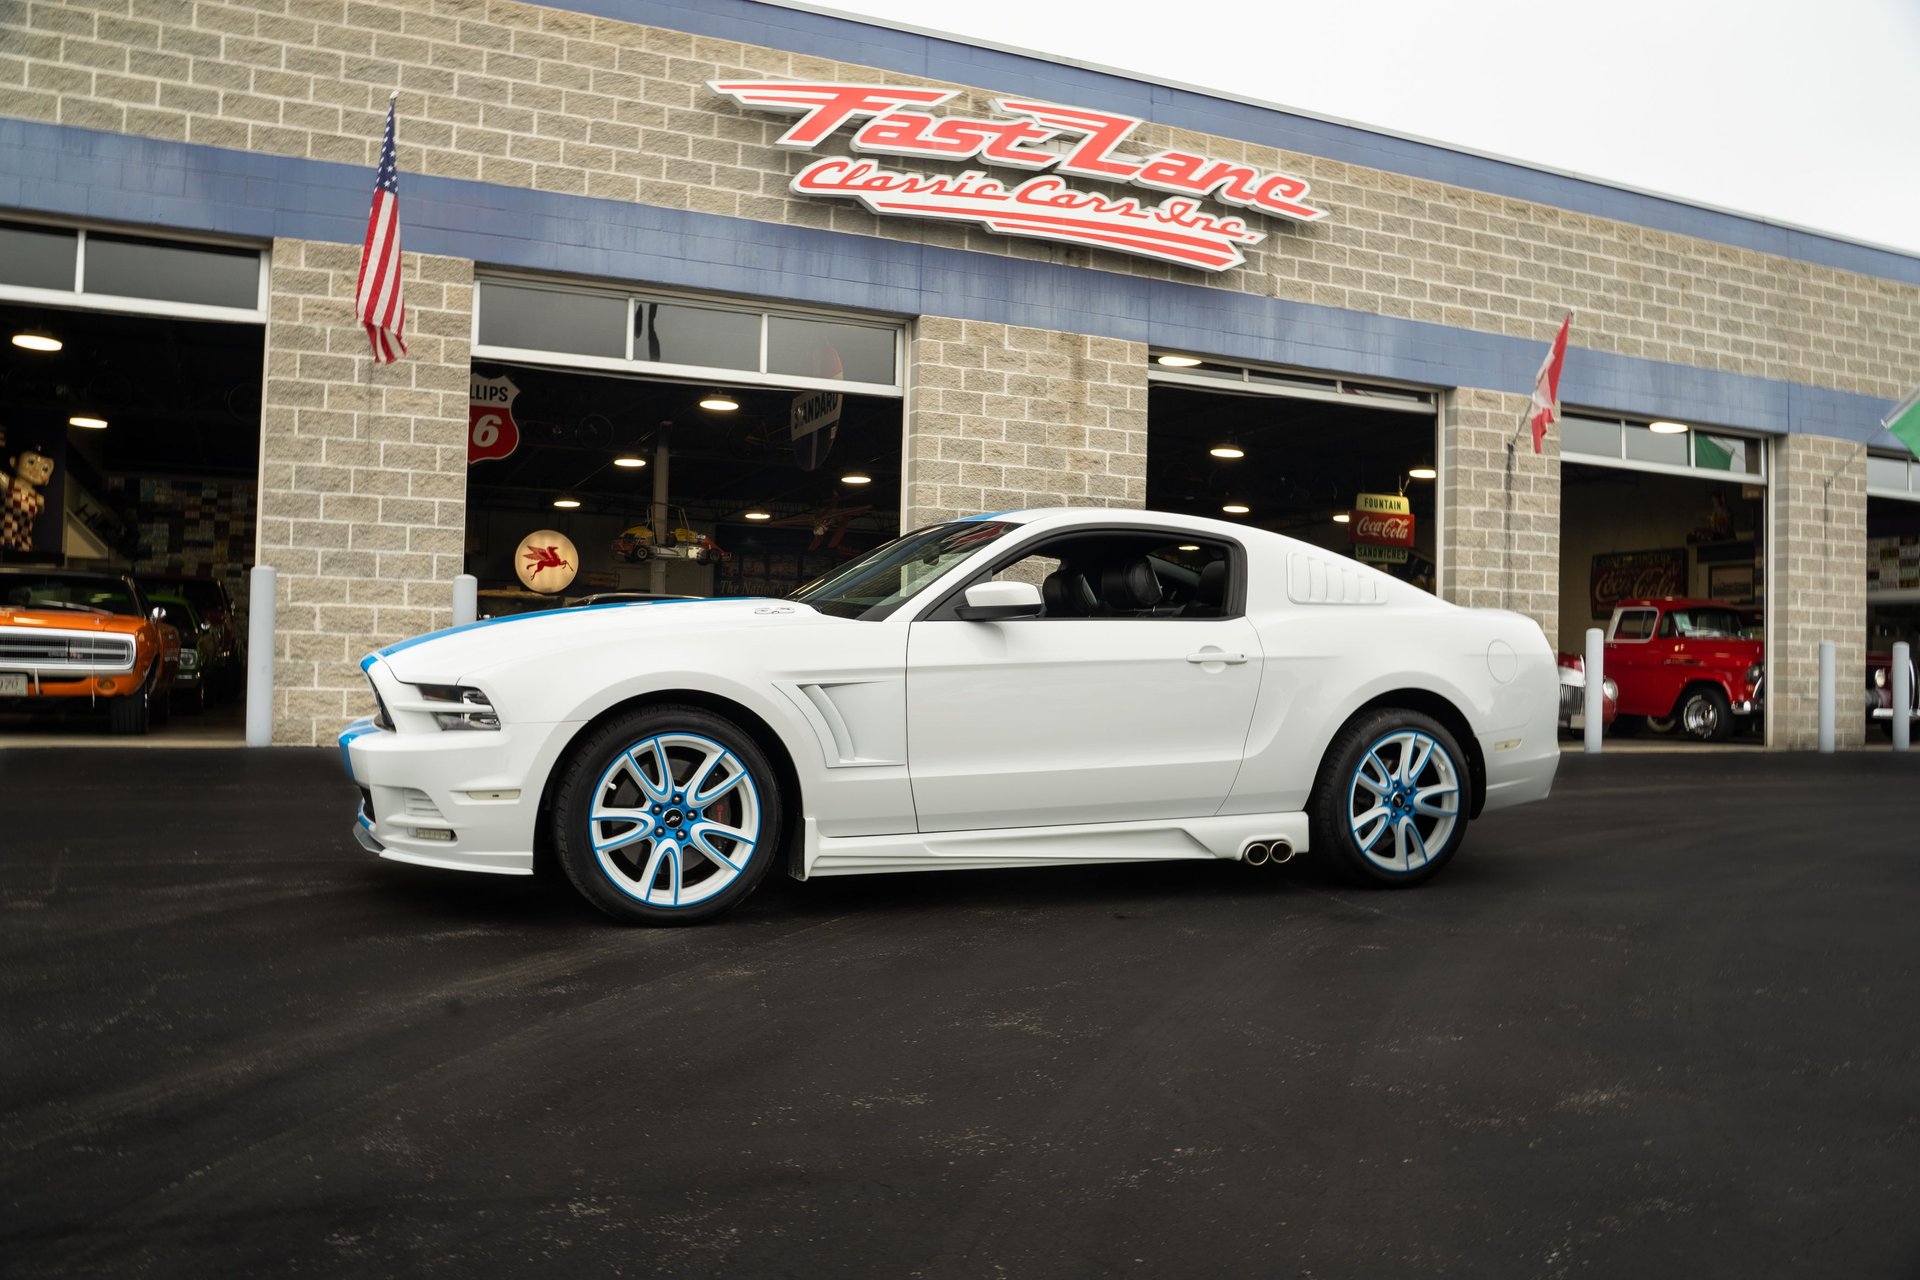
(189, 660)
(475, 712)
(1879, 675)
(1754, 673)
(1611, 689)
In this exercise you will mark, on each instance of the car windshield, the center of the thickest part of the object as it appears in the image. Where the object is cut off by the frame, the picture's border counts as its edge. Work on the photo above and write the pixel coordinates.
(1708, 624)
(881, 581)
(67, 591)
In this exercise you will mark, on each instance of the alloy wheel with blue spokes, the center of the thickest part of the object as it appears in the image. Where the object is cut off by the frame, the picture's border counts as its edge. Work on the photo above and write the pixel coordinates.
(675, 819)
(1403, 801)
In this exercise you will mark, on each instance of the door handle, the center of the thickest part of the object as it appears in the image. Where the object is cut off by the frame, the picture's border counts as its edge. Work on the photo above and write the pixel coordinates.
(1226, 659)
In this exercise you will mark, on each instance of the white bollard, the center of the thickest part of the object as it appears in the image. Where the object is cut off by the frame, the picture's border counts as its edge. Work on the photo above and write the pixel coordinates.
(260, 655)
(1902, 694)
(1596, 688)
(466, 599)
(1826, 697)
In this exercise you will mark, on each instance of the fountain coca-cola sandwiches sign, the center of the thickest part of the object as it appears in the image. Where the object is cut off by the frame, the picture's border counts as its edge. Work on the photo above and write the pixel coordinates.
(1052, 143)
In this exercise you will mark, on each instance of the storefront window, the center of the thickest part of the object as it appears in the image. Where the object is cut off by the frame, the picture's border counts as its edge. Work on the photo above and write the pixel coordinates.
(1644, 445)
(670, 333)
(37, 258)
(198, 274)
(829, 349)
(587, 324)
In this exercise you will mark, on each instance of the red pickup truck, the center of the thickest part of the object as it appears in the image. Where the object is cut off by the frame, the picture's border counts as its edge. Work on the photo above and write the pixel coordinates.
(1693, 663)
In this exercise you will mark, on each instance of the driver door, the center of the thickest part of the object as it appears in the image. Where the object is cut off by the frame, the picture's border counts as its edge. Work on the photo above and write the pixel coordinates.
(1050, 720)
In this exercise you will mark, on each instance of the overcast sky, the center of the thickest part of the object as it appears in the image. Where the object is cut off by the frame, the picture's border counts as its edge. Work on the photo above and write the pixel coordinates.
(1800, 111)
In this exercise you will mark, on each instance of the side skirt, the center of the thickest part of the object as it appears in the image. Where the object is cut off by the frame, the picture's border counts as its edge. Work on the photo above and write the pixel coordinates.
(1162, 840)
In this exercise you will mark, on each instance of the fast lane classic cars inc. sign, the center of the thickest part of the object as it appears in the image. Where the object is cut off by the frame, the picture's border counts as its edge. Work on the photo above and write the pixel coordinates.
(1042, 138)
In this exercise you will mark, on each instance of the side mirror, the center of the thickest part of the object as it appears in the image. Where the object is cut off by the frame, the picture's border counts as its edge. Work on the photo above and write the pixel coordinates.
(999, 601)
(157, 614)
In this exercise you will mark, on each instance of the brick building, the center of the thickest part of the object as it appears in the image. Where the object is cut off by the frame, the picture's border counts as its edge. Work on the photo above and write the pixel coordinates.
(599, 218)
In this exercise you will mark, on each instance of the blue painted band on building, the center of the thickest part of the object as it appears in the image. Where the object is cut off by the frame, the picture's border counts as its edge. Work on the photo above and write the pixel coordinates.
(62, 171)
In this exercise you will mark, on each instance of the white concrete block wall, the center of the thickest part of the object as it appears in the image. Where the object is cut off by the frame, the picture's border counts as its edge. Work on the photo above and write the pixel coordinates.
(363, 477)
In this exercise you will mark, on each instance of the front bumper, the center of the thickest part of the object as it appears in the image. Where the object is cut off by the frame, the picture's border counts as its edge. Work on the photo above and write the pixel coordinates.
(466, 800)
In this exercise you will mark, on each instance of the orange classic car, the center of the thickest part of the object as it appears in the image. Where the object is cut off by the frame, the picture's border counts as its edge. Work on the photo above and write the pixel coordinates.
(79, 640)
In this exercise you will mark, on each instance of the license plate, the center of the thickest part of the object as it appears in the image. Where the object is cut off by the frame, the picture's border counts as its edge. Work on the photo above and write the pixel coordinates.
(12, 685)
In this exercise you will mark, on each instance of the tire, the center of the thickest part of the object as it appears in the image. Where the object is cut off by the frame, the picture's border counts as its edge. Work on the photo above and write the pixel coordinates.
(1371, 822)
(130, 716)
(635, 867)
(195, 702)
(1661, 726)
(1705, 715)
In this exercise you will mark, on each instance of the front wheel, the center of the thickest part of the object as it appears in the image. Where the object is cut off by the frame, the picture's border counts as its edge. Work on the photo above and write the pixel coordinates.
(129, 716)
(1706, 715)
(1390, 805)
(667, 815)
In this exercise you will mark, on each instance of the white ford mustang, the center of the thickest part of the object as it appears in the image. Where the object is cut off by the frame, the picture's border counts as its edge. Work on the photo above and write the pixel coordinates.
(1033, 688)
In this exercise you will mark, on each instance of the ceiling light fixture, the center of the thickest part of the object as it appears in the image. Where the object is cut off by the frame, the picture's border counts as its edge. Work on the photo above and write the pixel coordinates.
(1179, 362)
(719, 403)
(759, 515)
(1667, 428)
(629, 461)
(36, 340)
(1422, 473)
(856, 477)
(566, 504)
(1228, 450)
(1236, 508)
(91, 424)
(1342, 517)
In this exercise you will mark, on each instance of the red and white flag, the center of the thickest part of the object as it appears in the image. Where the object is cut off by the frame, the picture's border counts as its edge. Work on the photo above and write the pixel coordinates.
(1546, 386)
(378, 301)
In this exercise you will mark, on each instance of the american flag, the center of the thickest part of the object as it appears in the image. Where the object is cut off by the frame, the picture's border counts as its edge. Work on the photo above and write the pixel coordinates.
(378, 301)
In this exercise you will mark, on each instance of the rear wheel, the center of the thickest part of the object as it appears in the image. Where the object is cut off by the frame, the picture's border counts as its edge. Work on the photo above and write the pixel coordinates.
(668, 815)
(1390, 805)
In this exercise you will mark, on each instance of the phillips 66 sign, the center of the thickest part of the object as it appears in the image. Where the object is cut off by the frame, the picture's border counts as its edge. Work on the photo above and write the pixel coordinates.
(1043, 139)
(491, 430)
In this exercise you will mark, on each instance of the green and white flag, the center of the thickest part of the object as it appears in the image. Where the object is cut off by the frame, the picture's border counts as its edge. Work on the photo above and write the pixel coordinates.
(1904, 422)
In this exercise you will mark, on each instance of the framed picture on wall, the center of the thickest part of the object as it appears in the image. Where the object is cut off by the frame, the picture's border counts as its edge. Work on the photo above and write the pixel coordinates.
(1730, 582)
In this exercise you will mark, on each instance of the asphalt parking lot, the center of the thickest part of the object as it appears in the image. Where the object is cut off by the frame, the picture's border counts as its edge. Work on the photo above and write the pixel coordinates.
(1664, 1024)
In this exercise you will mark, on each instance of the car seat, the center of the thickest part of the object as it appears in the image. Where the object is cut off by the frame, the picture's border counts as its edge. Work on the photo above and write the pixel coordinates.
(1209, 593)
(1129, 586)
(1068, 595)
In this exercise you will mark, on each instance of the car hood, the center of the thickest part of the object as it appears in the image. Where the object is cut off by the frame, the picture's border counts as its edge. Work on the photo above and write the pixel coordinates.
(442, 656)
(67, 619)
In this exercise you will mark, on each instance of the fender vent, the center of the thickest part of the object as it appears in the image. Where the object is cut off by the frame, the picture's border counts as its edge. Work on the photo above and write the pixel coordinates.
(1313, 579)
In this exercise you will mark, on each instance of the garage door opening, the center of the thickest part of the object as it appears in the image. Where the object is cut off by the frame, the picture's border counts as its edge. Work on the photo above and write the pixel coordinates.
(1666, 525)
(649, 445)
(1893, 581)
(1342, 465)
(132, 443)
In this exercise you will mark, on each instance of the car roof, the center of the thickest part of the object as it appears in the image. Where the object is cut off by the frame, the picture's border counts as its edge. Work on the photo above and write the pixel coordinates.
(53, 571)
(1677, 602)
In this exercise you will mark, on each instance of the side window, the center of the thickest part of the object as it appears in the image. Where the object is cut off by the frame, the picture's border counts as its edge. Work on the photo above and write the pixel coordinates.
(1634, 624)
(1119, 575)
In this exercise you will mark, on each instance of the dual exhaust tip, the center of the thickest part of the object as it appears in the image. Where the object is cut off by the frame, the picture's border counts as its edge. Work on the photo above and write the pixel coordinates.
(1267, 852)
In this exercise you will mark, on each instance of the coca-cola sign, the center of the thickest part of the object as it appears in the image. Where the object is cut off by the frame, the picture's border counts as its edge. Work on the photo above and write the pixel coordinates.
(1632, 575)
(1381, 528)
(1036, 137)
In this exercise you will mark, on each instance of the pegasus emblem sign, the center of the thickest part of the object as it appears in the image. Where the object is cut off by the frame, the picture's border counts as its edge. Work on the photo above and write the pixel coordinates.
(546, 561)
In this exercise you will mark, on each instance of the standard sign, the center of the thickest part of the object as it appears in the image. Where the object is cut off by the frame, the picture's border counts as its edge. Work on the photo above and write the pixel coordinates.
(1043, 139)
(812, 424)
